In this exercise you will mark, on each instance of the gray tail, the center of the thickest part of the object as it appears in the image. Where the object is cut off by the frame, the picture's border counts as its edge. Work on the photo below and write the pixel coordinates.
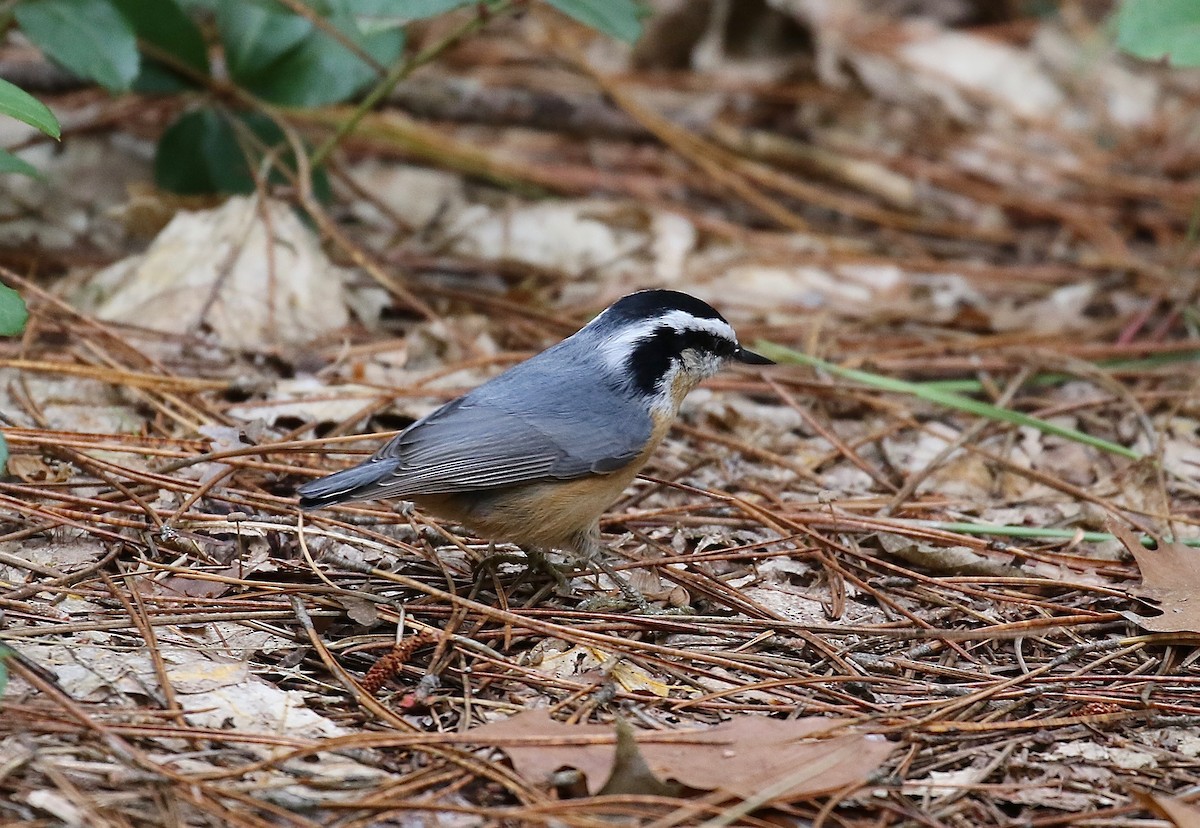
(357, 483)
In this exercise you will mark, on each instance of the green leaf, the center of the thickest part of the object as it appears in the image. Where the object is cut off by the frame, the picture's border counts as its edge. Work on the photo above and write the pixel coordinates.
(415, 9)
(10, 163)
(256, 34)
(201, 154)
(163, 25)
(13, 312)
(18, 103)
(284, 59)
(944, 398)
(89, 37)
(1154, 29)
(4, 651)
(157, 79)
(621, 19)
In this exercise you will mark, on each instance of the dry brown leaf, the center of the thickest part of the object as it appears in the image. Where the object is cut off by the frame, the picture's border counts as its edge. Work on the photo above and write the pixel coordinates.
(1181, 814)
(741, 757)
(31, 469)
(1170, 579)
(249, 270)
(630, 773)
(360, 610)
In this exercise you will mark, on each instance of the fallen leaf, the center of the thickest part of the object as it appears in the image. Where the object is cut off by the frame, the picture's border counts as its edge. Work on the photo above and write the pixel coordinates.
(59, 806)
(1093, 753)
(630, 773)
(249, 270)
(563, 236)
(957, 68)
(741, 757)
(31, 469)
(1054, 797)
(1170, 579)
(255, 706)
(582, 659)
(307, 398)
(1181, 814)
(360, 610)
(943, 783)
(94, 672)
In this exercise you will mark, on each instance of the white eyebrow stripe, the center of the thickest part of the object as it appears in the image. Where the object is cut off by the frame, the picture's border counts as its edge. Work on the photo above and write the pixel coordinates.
(616, 349)
(684, 321)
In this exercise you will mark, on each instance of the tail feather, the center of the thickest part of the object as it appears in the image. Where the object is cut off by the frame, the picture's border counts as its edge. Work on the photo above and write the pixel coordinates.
(357, 483)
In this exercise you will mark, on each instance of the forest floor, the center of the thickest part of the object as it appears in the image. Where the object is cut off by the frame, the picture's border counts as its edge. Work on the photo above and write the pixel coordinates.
(902, 560)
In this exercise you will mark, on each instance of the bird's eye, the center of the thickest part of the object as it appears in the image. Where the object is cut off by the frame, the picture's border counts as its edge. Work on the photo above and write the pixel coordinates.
(721, 346)
(705, 342)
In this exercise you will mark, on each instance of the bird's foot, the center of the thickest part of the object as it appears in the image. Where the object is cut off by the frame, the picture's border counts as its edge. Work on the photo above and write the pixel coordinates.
(537, 561)
(631, 598)
(534, 560)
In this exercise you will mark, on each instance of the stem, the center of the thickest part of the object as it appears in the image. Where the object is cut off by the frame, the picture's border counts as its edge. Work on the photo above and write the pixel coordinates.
(403, 69)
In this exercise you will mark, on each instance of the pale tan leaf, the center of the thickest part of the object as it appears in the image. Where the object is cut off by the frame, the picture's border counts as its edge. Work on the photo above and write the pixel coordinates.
(1181, 814)
(1170, 579)
(741, 757)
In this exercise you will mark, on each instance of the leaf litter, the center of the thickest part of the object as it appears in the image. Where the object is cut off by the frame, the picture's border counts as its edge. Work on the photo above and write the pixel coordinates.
(739, 757)
(889, 194)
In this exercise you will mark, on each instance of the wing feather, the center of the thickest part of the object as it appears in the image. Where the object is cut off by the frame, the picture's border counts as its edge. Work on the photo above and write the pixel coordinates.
(507, 432)
(468, 445)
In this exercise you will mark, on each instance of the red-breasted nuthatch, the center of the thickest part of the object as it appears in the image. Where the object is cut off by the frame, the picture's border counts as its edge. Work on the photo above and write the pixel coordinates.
(537, 454)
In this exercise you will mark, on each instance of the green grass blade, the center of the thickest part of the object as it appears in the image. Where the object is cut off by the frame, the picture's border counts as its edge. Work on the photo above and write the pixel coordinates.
(970, 386)
(1035, 532)
(949, 399)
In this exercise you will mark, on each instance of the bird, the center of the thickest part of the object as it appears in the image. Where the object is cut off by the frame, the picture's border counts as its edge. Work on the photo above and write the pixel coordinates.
(537, 454)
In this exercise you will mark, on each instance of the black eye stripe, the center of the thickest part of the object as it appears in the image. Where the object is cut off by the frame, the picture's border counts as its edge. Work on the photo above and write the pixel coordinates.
(706, 341)
(651, 357)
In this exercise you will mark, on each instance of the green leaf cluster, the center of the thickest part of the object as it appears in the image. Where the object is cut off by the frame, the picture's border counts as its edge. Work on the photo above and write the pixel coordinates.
(277, 55)
(274, 54)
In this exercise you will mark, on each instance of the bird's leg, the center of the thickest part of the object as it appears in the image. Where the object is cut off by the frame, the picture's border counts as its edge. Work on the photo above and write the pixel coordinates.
(536, 560)
(493, 559)
(592, 551)
(533, 560)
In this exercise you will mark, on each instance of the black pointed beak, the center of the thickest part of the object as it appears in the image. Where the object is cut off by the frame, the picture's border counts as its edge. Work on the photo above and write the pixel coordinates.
(751, 358)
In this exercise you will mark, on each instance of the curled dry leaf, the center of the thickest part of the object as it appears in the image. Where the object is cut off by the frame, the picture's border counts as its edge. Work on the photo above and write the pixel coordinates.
(741, 757)
(1170, 580)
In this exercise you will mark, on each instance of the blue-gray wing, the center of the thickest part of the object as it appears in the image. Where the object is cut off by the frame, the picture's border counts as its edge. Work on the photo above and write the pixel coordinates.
(553, 417)
(467, 445)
